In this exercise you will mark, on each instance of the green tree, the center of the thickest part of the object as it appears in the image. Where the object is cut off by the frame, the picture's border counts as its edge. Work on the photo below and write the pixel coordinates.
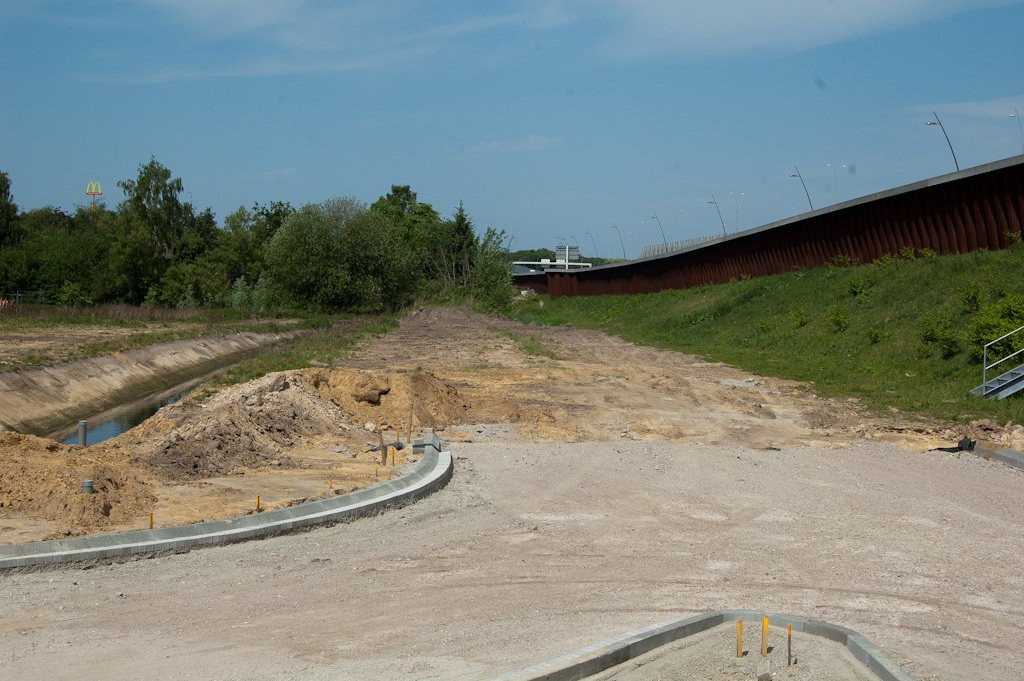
(339, 255)
(303, 258)
(9, 233)
(492, 273)
(152, 200)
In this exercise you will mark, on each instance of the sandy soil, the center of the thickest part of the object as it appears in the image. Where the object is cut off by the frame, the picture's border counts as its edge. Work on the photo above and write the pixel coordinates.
(621, 486)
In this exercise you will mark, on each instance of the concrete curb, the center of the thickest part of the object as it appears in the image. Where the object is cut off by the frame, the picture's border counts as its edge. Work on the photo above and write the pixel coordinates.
(993, 450)
(614, 651)
(432, 472)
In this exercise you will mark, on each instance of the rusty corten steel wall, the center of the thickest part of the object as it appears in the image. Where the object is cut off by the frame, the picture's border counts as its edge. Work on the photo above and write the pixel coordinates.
(538, 282)
(956, 213)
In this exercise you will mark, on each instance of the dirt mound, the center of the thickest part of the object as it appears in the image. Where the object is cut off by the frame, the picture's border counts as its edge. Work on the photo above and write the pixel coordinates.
(385, 398)
(243, 427)
(40, 478)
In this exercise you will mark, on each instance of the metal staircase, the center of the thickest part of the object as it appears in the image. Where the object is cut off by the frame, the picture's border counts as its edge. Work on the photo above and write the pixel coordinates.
(1005, 384)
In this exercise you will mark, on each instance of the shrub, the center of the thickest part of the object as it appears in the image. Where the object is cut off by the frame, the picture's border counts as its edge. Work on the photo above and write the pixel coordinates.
(874, 335)
(798, 313)
(491, 273)
(996, 320)
(71, 293)
(838, 319)
(940, 330)
(763, 326)
(855, 285)
(843, 260)
(970, 294)
(928, 254)
(240, 297)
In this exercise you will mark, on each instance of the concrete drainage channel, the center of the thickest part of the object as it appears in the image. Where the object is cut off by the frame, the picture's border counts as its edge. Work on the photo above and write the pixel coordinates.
(613, 652)
(431, 473)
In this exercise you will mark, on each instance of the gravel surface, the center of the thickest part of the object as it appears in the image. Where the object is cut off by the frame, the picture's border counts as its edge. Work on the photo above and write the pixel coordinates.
(613, 487)
(534, 551)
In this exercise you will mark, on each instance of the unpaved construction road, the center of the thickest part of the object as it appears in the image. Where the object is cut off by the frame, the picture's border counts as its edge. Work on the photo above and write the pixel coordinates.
(609, 488)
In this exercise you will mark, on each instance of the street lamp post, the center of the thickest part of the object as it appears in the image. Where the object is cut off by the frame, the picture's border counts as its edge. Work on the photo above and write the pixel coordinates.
(939, 123)
(738, 195)
(1016, 115)
(655, 216)
(835, 176)
(724, 233)
(596, 255)
(621, 243)
(805, 186)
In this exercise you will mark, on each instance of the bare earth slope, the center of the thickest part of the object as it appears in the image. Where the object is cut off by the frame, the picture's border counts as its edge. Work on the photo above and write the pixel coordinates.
(621, 487)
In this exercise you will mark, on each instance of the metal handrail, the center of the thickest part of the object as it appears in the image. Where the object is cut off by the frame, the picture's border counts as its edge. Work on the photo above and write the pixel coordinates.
(984, 360)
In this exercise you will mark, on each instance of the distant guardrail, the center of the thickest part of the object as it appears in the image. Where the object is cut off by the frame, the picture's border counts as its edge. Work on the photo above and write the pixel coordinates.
(673, 246)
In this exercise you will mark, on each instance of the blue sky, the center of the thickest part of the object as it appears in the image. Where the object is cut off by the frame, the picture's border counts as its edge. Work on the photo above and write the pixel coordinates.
(558, 117)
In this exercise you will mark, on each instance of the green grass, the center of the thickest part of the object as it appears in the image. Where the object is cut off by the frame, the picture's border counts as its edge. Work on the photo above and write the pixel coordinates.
(169, 324)
(322, 347)
(529, 346)
(894, 333)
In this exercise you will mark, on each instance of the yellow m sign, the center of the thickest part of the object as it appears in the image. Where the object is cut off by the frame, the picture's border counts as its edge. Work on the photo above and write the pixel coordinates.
(93, 189)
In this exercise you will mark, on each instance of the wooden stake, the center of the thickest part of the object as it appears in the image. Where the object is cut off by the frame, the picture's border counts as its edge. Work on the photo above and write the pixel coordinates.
(151, 521)
(789, 645)
(764, 638)
(382, 452)
(410, 421)
(739, 638)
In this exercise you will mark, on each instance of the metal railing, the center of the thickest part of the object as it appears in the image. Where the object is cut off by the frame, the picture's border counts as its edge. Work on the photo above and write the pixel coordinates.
(673, 246)
(986, 366)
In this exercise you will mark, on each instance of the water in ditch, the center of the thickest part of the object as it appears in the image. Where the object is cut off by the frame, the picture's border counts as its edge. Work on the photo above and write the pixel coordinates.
(105, 427)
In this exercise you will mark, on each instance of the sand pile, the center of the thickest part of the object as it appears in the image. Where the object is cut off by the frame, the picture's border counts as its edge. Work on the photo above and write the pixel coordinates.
(255, 425)
(40, 478)
(385, 398)
(243, 427)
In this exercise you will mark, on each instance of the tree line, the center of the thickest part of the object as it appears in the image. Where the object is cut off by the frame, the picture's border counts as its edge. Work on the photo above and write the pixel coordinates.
(336, 255)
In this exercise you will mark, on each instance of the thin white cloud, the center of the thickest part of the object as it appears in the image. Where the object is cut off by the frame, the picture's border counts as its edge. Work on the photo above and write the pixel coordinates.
(309, 36)
(228, 17)
(713, 27)
(528, 143)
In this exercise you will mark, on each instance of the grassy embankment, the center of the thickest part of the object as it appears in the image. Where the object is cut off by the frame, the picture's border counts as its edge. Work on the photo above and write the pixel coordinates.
(322, 347)
(141, 326)
(899, 333)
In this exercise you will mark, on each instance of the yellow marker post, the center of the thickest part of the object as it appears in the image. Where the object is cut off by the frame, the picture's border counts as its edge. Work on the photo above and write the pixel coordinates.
(739, 638)
(257, 503)
(330, 484)
(151, 521)
(789, 645)
(764, 638)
